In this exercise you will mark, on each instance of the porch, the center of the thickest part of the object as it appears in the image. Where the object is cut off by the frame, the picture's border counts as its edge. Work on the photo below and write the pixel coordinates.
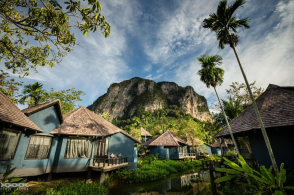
(107, 164)
(187, 155)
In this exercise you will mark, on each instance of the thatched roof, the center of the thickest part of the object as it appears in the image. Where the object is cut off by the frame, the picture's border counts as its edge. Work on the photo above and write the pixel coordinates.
(276, 107)
(165, 139)
(216, 144)
(84, 122)
(145, 132)
(11, 114)
(32, 110)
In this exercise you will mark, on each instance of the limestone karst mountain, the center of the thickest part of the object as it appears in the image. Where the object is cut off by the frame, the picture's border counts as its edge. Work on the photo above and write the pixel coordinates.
(130, 97)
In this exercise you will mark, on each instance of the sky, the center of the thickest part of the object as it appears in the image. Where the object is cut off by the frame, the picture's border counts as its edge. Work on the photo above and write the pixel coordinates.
(161, 40)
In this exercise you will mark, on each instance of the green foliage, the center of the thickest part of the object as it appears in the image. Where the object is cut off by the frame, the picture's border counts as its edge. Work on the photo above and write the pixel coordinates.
(230, 153)
(152, 169)
(33, 94)
(49, 24)
(223, 21)
(106, 116)
(210, 74)
(136, 133)
(76, 188)
(261, 182)
(68, 98)
(9, 87)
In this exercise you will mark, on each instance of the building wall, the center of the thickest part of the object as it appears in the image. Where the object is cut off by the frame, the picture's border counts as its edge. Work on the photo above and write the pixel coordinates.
(217, 150)
(37, 166)
(205, 148)
(46, 119)
(172, 154)
(282, 143)
(161, 151)
(119, 143)
(62, 164)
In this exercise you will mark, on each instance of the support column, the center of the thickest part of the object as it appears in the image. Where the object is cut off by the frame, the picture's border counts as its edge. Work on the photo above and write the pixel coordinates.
(49, 177)
(102, 177)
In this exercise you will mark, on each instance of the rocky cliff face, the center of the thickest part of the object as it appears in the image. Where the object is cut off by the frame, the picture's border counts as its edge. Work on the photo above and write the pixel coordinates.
(133, 96)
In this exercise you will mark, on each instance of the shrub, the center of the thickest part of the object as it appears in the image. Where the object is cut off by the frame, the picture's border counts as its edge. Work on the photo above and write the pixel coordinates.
(76, 188)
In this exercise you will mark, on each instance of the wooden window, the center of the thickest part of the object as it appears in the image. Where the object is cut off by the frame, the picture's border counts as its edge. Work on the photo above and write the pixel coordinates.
(175, 149)
(39, 147)
(78, 147)
(8, 143)
(101, 147)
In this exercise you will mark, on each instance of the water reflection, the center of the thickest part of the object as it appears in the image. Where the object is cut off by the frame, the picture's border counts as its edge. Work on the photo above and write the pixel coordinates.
(191, 183)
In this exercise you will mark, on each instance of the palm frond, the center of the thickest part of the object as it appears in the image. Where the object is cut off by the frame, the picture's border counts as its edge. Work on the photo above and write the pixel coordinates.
(232, 8)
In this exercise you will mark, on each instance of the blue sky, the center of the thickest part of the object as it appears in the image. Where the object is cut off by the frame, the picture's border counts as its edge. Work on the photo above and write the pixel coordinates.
(161, 40)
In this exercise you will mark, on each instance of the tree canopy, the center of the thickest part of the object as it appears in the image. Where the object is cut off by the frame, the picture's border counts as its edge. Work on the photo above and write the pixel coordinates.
(210, 74)
(35, 94)
(38, 33)
(9, 86)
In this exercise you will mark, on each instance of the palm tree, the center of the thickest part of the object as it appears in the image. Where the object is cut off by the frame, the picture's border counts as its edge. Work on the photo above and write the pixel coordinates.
(221, 23)
(33, 93)
(232, 107)
(211, 75)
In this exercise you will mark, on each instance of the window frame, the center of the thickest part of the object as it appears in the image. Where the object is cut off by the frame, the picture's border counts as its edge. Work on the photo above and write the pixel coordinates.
(25, 158)
(15, 131)
(75, 137)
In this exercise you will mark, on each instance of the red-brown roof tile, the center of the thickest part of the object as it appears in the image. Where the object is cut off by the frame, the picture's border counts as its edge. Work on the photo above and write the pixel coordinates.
(10, 113)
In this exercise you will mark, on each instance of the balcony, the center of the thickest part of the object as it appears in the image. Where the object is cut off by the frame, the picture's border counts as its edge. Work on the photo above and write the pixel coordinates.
(187, 155)
(107, 164)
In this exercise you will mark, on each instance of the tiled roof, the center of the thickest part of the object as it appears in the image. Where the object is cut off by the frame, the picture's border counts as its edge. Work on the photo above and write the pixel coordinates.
(10, 113)
(165, 139)
(144, 132)
(84, 122)
(32, 110)
(276, 107)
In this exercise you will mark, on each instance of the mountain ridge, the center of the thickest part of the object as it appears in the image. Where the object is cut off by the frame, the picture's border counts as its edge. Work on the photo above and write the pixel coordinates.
(134, 96)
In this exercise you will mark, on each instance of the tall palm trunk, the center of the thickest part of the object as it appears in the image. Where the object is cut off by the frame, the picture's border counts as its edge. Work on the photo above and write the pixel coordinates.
(229, 127)
(267, 142)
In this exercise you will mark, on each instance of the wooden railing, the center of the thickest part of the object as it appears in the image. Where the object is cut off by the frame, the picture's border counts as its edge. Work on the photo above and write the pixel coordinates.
(109, 161)
(187, 154)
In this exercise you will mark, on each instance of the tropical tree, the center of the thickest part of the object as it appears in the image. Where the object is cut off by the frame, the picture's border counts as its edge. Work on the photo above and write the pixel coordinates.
(106, 116)
(232, 107)
(68, 98)
(9, 87)
(33, 94)
(222, 23)
(40, 32)
(211, 75)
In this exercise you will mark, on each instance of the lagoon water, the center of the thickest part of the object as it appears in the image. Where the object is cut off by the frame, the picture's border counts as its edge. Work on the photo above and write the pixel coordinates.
(194, 182)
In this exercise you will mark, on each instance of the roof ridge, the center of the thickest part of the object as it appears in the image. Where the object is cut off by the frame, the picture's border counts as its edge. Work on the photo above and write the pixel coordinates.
(172, 136)
(157, 137)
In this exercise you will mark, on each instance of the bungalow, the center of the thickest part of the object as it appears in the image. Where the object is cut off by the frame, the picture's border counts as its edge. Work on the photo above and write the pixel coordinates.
(145, 135)
(205, 149)
(276, 107)
(20, 142)
(85, 139)
(169, 146)
(221, 148)
(41, 140)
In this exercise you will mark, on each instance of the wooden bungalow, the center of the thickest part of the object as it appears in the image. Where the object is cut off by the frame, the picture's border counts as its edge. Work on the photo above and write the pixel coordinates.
(204, 149)
(22, 142)
(276, 107)
(221, 148)
(145, 135)
(87, 141)
(169, 146)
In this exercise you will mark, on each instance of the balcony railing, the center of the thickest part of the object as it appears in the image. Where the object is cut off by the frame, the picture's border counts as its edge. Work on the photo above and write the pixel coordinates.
(187, 154)
(102, 162)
